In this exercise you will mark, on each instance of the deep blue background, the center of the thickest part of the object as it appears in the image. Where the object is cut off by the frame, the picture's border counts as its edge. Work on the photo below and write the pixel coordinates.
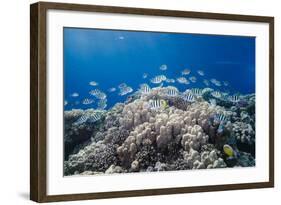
(101, 56)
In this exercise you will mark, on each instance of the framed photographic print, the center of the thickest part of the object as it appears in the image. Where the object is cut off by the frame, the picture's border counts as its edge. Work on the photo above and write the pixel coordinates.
(134, 102)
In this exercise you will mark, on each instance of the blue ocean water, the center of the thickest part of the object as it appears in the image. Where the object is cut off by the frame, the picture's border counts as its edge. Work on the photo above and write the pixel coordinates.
(113, 57)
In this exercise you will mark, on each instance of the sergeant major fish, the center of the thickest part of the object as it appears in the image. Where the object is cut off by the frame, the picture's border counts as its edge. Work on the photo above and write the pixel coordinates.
(201, 72)
(81, 120)
(170, 80)
(93, 83)
(216, 94)
(157, 104)
(144, 75)
(122, 85)
(182, 80)
(225, 83)
(145, 89)
(111, 90)
(87, 101)
(188, 97)
(98, 94)
(193, 79)
(206, 82)
(234, 98)
(220, 118)
(74, 95)
(185, 72)
(171, 91)
(158, 79)
(215, 82)
(96, 116)
(163, 67)
(125, 90)
(197, 91)
(102, 104)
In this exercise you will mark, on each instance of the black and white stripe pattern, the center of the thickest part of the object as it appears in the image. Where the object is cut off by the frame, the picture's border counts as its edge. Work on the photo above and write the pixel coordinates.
(156, 104)
(171, 91)
(196, 91)
(81, 120)
(87, 101)
(158, 79)
(234, 98)
(188, 97)
(220, 117)
(145, 89)
(95, 117)
(216, 94)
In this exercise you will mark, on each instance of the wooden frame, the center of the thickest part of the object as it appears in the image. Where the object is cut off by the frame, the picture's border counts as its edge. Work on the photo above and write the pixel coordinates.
(38, 101)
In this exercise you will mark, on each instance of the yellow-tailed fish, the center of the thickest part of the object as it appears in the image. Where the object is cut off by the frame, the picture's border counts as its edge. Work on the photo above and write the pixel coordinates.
(228, 150)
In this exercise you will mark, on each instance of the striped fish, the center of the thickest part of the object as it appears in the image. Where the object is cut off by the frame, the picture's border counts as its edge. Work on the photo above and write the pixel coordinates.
(158, 79)
(170, 80)
(206, 82)
(218, 84)
(205, 90)
(157, 104)
(98, 94)
(163, 67)
(225, 83)
(219, 117)
(171, 91)
(111, 90)
(193, 79)
(188, 97)
(182, 80)
(96, 116)
(102, 104)
(125, 90)
(74, 95)
(145, 89)
(224, 94)
(234, 98)
(81, 120)
(216, 94)
(93, 83)
(94, 92)
(122, 85)
(201, 72)
(87, 101)
(185, 72)
(215, 82)
(196, 91)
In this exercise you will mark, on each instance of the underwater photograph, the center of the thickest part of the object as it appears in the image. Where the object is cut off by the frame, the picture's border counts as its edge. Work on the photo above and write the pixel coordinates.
(142, 101)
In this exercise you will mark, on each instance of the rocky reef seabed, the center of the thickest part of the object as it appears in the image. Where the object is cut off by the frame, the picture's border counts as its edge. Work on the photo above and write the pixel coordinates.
(132, 137)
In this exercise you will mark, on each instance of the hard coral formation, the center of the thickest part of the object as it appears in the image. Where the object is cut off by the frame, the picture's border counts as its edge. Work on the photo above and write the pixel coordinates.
(76, 134)
(194, 138)
(97, 157)
(132, 137)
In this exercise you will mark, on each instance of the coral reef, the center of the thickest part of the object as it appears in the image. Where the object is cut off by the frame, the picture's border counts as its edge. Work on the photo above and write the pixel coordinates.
(132, 137)
(76, 134)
